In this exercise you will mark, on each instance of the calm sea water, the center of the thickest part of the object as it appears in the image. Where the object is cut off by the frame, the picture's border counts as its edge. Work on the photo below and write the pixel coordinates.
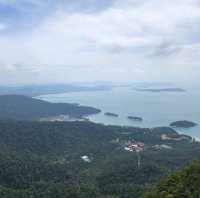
(157, 109)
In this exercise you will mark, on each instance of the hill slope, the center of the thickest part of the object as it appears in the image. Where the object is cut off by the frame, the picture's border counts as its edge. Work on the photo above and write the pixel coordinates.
(43, 159)
(184, 183)
(20, 107)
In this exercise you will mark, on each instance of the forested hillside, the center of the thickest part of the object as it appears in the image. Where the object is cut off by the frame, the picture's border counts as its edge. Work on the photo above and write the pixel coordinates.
(47, 159)
(20, 107)
(182, 184)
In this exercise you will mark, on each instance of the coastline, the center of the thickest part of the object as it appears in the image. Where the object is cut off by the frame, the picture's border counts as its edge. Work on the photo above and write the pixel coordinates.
(151, 107)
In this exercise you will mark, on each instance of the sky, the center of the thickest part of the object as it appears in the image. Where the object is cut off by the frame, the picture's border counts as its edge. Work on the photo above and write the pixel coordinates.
(52, 41)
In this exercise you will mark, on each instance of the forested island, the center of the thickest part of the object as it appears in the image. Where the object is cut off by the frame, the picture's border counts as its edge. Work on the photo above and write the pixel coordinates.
(183, 124)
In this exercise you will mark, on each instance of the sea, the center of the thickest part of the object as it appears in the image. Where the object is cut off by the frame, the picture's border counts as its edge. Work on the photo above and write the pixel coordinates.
(156, 108)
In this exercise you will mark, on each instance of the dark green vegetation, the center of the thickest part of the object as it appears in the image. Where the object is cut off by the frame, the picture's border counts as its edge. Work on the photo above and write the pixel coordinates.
(182, 184)
(36, 90)
(111, 114)
(19, 107)
(43, 159)
(183, 124)
(135, 118)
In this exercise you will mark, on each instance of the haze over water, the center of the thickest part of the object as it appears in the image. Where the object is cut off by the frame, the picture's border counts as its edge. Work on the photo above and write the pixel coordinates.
(156, 109)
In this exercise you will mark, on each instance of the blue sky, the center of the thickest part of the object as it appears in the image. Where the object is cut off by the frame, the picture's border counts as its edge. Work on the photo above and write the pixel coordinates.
(91, 40)
(26, 14)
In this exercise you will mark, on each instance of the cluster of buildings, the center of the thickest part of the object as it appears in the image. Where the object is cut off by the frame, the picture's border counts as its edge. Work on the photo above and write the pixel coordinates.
(134, 146)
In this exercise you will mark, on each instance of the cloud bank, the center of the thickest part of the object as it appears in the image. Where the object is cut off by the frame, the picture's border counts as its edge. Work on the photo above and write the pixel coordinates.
(115, 40)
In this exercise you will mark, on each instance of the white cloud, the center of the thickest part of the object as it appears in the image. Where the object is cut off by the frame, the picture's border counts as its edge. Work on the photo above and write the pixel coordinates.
(130, 38)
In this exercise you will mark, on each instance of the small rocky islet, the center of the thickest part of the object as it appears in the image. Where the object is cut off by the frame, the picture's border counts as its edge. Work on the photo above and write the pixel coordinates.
(179, 124)
(111, 114)
(135, 118)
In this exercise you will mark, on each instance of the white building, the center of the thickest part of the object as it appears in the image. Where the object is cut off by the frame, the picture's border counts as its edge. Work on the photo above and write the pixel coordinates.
(85, 158)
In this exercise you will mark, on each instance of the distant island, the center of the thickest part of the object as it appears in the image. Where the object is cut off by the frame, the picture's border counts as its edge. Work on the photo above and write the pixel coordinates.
(161, 89)
(135, 118)
(111, 114)
(183, 124)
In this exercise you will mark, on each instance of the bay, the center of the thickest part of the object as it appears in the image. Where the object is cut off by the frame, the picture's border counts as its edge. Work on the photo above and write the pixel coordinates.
(156, 109)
